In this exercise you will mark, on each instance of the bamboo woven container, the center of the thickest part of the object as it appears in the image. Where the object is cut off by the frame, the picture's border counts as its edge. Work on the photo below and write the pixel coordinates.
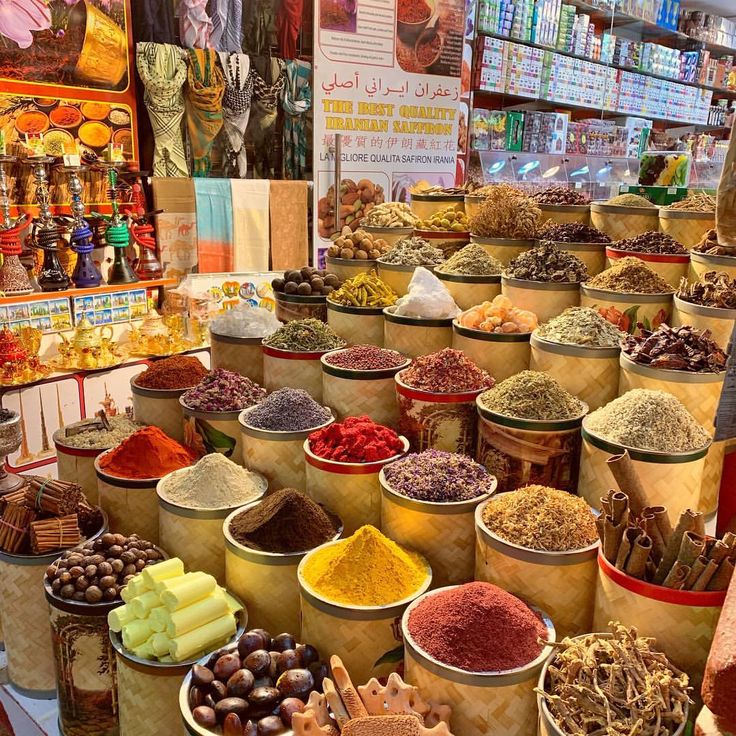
(546, 299)
(563, 581)
(504, 249)
(472, 204)
(363, 635)
(670, 479)
(414, 336)
(525, 451)
(425, 205)
(356, 324)
(391, 235)
(719, 321)
(290, 307)
(683, 621)
(243, 355)
(77, 465)
(593, 255)
(293, 369)
(437, 421)
(213, 431)
(701, 263)
(24, 612)
(194, 535)
(442, 532)
(159, 407)
(499, 353)
(467, 291)
(276, 455)
(397, 275)
(564, 213)
(131, 504)
(482, 702)
(626, 310)
(353, 393)
(700, 394)
(148, 690)
(670, 267)
(447, 241)
(686, 227)
(623, 222)
(250, 572)
(547, 725)
(351, 490)
(347, 268)
(589, 373)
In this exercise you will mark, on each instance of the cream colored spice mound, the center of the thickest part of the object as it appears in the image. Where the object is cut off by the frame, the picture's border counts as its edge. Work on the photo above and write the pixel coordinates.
(541, 518)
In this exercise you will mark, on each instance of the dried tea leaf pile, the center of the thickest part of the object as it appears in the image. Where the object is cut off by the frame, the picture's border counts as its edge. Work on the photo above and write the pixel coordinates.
(547, 263)
(413, 251)
(581, 326)
(472, 260)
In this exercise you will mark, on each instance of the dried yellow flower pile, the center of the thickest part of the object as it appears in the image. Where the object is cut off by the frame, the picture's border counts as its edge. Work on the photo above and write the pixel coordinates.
(506, 213)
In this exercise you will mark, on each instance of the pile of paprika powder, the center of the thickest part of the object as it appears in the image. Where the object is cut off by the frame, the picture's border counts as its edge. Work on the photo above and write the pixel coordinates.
(356, 440)
(176, 372)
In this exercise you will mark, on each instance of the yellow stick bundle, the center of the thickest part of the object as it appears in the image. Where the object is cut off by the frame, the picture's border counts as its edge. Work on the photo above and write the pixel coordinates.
(135, 633)
(171, 568)
(200, 639)
(192, 592)
(119, 617)
(142, 604)
(158, 618)
(199, 613)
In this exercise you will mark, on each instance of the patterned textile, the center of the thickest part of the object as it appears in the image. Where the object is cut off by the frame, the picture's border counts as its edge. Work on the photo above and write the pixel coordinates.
(236, 111)
(204, 94)
(227, 25)
(195, 25)
(261, 130)
(289, 237)
(296, 102)
(251, 236)
(288, 22)
(214, 225)
(163, 72)
(176, 226)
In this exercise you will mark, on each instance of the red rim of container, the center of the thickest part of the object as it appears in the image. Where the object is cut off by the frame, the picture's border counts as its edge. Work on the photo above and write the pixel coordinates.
(649, 257)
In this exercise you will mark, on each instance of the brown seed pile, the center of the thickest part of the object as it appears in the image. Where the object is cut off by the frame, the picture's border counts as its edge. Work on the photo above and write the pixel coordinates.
(630, 276)
(561, 195)
(651, 242)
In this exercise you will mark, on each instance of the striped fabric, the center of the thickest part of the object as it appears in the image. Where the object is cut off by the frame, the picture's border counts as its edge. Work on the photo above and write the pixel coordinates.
(227, 21)
(195, 25)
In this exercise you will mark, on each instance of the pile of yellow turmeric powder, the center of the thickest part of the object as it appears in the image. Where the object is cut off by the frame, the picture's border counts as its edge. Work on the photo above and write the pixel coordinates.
(366, 569)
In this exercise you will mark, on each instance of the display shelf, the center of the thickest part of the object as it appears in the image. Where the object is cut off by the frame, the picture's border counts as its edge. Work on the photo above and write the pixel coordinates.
(38, 296)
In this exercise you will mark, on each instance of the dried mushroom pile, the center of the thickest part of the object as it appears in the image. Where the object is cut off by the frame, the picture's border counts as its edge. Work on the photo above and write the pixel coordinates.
(715, 289)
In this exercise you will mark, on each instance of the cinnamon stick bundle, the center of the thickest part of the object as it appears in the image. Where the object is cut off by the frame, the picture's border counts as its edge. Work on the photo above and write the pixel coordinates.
(624, 473)
(53, 497)
(56, 533)
(689, 521)
(14, 527)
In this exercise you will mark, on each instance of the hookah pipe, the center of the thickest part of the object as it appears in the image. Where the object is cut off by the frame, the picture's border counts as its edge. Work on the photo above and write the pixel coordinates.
(13, 276)
(86, 275)
(146, 266)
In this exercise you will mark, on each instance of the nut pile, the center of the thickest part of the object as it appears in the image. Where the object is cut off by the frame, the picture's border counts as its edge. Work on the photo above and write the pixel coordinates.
(561, 195)
(651, 242)
(364, 290)
(308, 281)
(356, 201)
(546, 262)
(360, 245)
(448, 219)
(715, 289)
(391, 214)
(98, 570)
(413, 251)
(573, 232)
(506, 213)
(256, 687)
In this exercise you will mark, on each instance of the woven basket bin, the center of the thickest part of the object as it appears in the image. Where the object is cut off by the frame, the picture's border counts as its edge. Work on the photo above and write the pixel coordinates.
(503, 249)
(671, 480)
(347, 268)
(159, 407)
(131, 505)
(213, 431)
(545, 299)
(589, 373)
(425, 205)
(291, 307)
(397, 276)
(86, 681)
(292, 369)
(279, 456)
(77, 465)
(521, 452)
(244, 355)
(442, 532)
(701, 263)
(683, 621)
(699, 393)
(354, 393)
(447, 241)
(250, 572)
(719, 321)
(350, 490)
(413, 336)
(500, 354)
(626, 310)
(472, 204)
(467, 291)
(564, 582)
(24, 612)
(623, 222)
(685, 227)
(437, 421)
(391, 235)
(356, 325)
(482, 703)
(670, 267)
(593, 255)
(564, 213)
(362, 634)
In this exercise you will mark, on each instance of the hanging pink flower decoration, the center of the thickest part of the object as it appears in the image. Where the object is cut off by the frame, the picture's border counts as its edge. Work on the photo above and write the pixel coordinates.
(19, 17)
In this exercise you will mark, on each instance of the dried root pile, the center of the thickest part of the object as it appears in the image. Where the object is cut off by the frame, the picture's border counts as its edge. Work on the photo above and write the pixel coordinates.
(506, 213)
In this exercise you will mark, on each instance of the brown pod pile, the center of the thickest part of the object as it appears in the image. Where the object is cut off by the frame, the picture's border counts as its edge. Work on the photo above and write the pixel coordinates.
(572, 232)
(307, 281)
(651, 242)
(715, 289)
(561, 195)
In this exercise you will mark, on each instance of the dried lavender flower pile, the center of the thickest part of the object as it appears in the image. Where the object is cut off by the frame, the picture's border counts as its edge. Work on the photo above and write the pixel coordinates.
(287, 410)
(573, 232)
(546, 262)
(223, 390)
(581, 326)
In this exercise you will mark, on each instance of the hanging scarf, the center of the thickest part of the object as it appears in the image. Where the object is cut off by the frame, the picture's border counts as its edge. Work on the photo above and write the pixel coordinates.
(163, 71)
(288, 22)
(154, 21)
(296, 102)
(262, 125)
(236, 111)
(205, 88)
(227, 25)
(195, 25)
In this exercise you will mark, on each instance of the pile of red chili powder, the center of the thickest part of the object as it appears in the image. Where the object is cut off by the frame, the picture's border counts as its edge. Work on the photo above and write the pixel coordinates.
(178, 371)
(477, 627)
(446, 371)
(356, 440)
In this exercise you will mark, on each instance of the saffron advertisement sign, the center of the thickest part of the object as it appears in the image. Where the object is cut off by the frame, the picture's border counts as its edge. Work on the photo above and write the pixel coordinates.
(387, 79)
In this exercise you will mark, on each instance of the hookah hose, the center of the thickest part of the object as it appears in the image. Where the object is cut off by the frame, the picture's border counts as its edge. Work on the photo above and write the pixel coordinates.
(10, 244)
(142, 235)
(81, 238)
(48, 237)
(117, 235)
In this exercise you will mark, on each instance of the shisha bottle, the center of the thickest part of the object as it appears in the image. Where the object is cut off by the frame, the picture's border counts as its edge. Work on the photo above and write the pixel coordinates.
(86, 275)
(47, 233)
(146, 266)
(13, 275)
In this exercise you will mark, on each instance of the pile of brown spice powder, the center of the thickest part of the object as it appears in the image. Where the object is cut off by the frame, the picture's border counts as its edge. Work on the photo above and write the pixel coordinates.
(178, 371)
(630, 276)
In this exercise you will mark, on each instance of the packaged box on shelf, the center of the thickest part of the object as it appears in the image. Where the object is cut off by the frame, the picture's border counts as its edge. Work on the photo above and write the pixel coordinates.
(577, 137)
(544, 132)
(489, 79)
(523, 70)
(514, 130)
(497, 126)
(656, 195)
(480, 130)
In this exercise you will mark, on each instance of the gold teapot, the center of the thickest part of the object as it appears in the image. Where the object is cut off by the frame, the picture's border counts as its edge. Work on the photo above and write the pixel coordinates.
(89, 348)
(155, 336)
